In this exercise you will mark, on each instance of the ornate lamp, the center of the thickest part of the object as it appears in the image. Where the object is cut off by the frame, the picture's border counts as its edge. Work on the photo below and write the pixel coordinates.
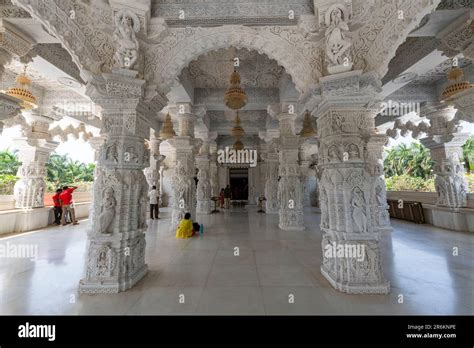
(22, 92)
(235, 96)
(456, 83)
(167, 132)
(308, 130)
(238, 133)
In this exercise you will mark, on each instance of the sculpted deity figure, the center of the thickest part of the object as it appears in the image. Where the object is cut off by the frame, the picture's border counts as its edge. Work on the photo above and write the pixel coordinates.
(107, 214)
(337, 38)
(126, 25)
(358, 213)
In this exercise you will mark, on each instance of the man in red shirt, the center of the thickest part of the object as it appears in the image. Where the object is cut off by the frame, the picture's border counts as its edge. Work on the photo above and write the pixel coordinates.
(66, 200)
(57, 207)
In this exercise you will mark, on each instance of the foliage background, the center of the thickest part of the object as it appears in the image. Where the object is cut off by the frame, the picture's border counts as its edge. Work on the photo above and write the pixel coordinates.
(61, 171)
(410, 168)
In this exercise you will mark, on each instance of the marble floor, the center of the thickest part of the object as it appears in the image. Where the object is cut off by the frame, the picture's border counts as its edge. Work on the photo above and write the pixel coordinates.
(203, 276)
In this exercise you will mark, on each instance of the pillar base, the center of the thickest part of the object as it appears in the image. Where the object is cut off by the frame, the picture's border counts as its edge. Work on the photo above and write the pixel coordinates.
(112, 286)
(382, 288)
(203, 207)
(291, 228)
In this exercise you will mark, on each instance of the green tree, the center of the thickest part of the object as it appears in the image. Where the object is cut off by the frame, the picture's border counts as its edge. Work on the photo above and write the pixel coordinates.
(414, 160)
(9, 162)
(63, 171)
(468, 154)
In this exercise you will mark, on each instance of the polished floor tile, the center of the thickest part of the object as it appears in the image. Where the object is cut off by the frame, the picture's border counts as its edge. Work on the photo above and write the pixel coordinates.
(273, 272)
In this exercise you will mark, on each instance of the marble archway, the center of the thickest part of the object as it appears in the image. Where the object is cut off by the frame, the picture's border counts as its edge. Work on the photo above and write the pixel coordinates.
(286, 46)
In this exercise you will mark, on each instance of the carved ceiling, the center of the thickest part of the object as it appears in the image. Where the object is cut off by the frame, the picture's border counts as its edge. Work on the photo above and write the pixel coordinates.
(214, 69)
(439, 72)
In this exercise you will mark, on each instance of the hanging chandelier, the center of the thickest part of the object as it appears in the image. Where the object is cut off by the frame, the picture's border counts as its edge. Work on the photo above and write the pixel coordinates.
(456, 83)
(308, 130)
(238, 133)
(22, 91)
(235, 97)
(167, 132)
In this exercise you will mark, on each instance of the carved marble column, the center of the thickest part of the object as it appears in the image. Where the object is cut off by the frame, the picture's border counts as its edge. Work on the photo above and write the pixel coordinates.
(214, 173)
(271, 183)
(204, 184)
(116, 244)
(152, 173)
(290, 190)
(352, 187)
(306, 181)
(34, 147)
(184, 186)
(444, 141)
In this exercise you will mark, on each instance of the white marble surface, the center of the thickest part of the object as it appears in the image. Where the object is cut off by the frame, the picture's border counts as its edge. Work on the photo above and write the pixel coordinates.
(272, 265)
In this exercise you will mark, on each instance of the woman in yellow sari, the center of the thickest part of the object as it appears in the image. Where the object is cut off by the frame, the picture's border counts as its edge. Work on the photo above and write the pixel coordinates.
(185, 228)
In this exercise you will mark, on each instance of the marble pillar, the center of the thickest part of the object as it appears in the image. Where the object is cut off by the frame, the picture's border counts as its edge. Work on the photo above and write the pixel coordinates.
(184, 186)
(204, 184)
(290, 190)
(152, 173)
(115, 257)
(35, 147)
(271, 183)
(444, 141)
(352, 187)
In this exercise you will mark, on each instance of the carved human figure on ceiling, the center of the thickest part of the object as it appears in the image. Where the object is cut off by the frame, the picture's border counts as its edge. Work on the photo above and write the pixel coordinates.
(337, 35)
(126, 25)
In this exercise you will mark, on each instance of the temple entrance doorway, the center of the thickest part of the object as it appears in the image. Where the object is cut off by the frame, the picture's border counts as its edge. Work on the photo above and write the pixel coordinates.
(239, 180)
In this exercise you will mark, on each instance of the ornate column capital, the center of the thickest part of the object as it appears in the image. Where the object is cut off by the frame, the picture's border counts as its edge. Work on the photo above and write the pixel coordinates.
(9, 108)
(457, 37)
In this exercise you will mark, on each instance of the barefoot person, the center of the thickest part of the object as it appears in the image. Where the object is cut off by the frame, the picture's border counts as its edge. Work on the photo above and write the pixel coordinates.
(67, 207)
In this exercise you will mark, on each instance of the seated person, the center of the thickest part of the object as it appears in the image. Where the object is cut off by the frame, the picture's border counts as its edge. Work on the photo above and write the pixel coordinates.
(185, 228)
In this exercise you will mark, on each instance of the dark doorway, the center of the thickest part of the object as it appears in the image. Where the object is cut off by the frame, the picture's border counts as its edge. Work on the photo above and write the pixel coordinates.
(239, 183)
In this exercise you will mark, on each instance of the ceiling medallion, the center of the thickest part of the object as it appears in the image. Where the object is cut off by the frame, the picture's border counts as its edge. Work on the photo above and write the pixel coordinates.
(308, 130)
(456, 83)
(167, 132)
(235, 97)
(22, 92)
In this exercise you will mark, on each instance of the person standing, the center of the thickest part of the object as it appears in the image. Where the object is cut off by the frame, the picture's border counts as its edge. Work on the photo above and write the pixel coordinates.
(227, 195)
(67, 207)
(153, 195)
(221, 199)
(57, 207)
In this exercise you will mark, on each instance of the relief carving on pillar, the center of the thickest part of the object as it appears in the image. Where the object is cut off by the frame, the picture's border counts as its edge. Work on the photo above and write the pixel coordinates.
(126, 25)
(107, 215)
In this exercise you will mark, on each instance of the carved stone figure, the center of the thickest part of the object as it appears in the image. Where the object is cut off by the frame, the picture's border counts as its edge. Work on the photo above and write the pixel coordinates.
(358, 214)
(112, 153)
(337, 40)
(126, 25)
(107, 214)
(353, 152)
